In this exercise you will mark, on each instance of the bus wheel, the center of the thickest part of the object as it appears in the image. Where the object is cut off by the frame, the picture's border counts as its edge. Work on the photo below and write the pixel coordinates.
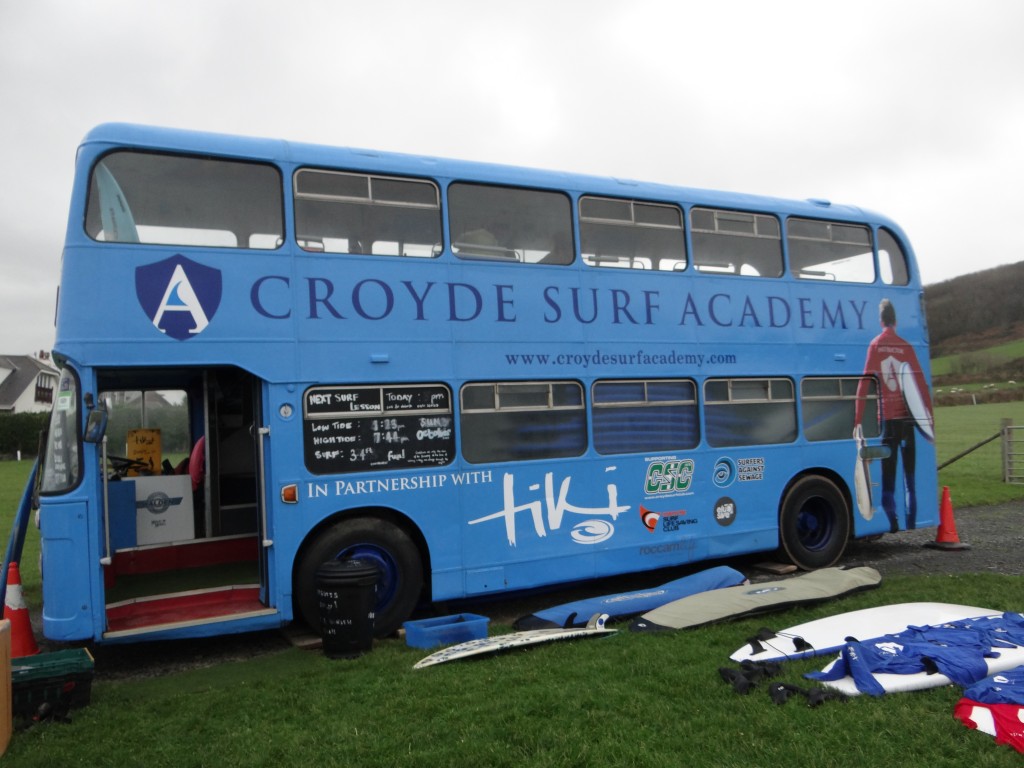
(814, 523)
(385, 545)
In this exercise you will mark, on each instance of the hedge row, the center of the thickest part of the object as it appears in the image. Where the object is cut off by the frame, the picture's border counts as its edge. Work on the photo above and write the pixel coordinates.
(20, 432)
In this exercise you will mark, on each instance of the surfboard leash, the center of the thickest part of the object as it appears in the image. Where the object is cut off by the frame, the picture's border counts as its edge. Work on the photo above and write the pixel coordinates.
(780, 693)
(750, 673)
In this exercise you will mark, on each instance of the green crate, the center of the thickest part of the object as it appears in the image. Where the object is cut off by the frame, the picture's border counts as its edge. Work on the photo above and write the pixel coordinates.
(62, 679)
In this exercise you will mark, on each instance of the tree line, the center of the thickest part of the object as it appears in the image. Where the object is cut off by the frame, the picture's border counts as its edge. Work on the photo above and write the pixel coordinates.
(20, 432)
(985, 305)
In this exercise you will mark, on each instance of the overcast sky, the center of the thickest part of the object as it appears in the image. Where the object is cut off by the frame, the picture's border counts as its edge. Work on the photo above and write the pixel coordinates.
(914, 108)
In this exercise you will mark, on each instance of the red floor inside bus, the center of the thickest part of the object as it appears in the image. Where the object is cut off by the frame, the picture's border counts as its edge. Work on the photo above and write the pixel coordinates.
(158, 587)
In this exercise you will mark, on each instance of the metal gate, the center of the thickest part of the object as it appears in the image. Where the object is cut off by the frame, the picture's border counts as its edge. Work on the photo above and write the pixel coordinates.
(1013, 454)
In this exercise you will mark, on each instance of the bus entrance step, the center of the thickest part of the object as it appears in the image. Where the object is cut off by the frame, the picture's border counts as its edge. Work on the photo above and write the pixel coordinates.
(183, 608)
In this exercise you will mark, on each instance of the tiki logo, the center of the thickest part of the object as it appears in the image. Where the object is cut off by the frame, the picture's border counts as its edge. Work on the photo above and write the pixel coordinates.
(671, 476)
(178, 295)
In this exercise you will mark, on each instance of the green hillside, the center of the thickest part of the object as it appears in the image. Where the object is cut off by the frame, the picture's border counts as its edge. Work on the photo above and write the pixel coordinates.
(976, 327)
(983, 360)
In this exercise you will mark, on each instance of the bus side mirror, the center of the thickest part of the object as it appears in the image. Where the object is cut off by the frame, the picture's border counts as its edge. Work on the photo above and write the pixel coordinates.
(95, 425)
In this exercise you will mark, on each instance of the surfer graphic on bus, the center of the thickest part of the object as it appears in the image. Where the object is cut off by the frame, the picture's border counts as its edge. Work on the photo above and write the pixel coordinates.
(905, 406)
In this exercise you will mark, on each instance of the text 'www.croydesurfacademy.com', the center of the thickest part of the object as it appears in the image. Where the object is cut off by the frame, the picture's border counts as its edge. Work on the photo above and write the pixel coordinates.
(640, 357)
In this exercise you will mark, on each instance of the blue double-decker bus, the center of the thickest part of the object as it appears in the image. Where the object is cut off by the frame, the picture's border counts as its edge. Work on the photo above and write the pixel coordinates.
(479, 378)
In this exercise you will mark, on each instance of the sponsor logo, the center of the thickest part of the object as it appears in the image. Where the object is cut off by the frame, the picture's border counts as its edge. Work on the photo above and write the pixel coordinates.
(592, 531)
(674, 521)
(649, 517)
(727, 470)
(633, 596)
(178, 295)
(669, 476)
(725, 511)
(670, 521)
(668, 548)
(724, 472)
(545, 507)
(158, 502)
(750, 469)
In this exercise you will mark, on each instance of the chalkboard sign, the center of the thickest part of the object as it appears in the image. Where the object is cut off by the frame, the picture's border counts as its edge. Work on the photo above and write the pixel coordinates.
(332, 401)
(351, 429)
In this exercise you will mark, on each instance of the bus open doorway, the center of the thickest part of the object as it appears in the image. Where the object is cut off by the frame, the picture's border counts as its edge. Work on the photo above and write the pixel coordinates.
(183, 503)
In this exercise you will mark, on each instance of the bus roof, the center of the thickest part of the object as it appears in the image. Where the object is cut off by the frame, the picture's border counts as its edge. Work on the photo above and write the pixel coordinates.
(296, 154)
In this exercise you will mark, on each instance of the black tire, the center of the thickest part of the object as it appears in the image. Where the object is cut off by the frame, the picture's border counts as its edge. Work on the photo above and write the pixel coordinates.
(388, 546)
(814, 523)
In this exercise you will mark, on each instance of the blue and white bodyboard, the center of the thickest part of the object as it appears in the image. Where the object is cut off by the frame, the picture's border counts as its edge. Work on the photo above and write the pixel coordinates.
(627, 604)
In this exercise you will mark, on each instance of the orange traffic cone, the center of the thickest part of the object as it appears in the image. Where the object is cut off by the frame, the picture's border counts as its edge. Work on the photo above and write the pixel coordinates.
(22, 641)
(946, 537)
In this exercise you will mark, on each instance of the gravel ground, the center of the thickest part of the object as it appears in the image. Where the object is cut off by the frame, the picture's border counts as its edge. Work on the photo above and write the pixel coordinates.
(995, 535)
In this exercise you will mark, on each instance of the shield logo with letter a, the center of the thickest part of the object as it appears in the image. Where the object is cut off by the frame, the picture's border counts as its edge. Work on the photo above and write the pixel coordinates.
(178, 295)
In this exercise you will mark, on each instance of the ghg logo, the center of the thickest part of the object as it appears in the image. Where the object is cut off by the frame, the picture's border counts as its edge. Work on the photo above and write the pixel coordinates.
(672, 476)
(178, 295)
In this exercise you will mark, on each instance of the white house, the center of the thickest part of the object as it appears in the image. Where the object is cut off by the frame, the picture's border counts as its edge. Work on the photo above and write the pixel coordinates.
(27, 383)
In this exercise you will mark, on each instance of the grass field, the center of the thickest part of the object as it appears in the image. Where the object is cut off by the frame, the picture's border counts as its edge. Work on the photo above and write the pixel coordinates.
(625, 700)
(976, 479)
(13, 476)
(991, 356)
(629, 699)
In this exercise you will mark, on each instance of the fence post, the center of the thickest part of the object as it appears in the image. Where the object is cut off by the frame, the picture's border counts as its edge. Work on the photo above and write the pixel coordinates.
(1004, 427)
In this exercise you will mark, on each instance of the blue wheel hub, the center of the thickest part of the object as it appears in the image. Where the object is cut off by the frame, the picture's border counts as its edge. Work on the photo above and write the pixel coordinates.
(387, 585)
(814, 525)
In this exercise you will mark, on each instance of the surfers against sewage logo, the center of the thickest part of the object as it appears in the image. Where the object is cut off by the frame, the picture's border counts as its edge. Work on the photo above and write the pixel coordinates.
(178, 295)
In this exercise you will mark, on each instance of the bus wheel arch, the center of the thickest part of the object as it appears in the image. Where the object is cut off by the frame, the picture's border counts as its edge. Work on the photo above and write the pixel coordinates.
(814, 520)
(380, 536)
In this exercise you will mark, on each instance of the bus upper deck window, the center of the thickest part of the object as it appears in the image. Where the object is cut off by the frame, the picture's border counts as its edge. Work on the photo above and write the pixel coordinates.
(832, 251)
(342, 212)
(892, 262)
(736, 242)
(632, 234)
(507, 224)
(144, 197)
